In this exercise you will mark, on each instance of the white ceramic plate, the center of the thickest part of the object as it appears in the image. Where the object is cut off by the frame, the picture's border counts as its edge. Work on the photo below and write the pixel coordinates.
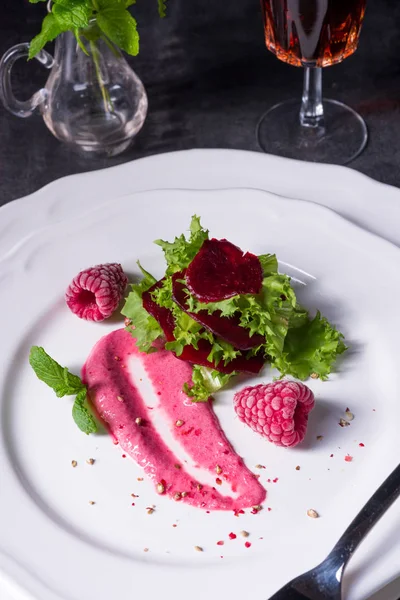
(55, 545)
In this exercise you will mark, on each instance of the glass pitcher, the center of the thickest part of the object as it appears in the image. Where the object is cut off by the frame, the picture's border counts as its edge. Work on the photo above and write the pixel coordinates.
(92, 99)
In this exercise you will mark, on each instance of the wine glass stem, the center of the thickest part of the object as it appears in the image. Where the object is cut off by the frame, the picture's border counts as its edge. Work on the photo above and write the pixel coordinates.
(312, 110)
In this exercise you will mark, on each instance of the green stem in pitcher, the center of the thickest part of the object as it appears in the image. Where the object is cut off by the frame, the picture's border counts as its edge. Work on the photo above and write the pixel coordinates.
(104, 92)
(113, 48)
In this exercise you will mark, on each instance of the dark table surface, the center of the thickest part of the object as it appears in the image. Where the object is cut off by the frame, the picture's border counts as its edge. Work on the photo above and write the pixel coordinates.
(209, 78)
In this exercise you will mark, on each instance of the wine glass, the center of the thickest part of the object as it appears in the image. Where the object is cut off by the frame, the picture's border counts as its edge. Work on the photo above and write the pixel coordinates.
(313, 34)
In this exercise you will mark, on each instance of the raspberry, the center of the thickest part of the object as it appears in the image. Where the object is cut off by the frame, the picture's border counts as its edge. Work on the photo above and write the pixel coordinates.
(278, 411)
(95, 293)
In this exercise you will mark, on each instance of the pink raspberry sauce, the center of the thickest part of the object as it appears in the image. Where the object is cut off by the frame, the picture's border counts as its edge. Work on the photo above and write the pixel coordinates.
(119, 404)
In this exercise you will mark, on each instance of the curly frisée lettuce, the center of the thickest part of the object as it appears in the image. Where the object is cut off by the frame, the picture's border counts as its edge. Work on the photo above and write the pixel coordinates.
(310, 349)
(145, 327)
(205, 383)
(291, 341)
(180, 253)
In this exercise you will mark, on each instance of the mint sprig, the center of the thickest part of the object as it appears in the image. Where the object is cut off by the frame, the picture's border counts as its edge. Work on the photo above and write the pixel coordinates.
(118, 25)
(50, 30)
(64, 383)
(72, 14)
(162, 8)
(110, 19)
(81, 414)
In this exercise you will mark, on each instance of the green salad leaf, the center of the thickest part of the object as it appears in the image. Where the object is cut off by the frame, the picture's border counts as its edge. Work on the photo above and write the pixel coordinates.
(187, 332)
(267, 313)
(145, 328)
(205, 382)
(294, 343)
(310, 349)
(180, 253)
(298, 317)
(269, 263)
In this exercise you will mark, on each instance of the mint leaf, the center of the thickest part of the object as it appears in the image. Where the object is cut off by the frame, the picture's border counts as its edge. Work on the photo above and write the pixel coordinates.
(145, 328)
(72, 14)
(54, 375)
(310, 349)
(36, 1)
(80, 42)
(91, 33)
(162, 8)
(50, 30)
(269, 263)
(81, 414)
(105, 4)
(120, 27)
(180, 253)
(205, 383)
(63, 383)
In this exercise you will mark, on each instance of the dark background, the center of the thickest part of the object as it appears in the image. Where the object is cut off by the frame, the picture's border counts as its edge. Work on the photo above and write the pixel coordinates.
(209, 78)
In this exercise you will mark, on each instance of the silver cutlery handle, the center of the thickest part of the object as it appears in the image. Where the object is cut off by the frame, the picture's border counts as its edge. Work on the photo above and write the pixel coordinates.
(376, 506)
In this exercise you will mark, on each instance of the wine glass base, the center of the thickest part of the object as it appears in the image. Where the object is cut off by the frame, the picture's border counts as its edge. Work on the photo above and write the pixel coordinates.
(341, 138)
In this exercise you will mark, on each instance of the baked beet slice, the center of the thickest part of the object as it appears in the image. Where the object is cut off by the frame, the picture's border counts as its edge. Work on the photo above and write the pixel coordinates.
(161, 314)
(220, 270)
(228, 328)
(166, 320)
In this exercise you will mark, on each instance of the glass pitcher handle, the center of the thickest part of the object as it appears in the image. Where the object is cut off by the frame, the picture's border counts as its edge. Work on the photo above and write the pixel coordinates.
(17, 107)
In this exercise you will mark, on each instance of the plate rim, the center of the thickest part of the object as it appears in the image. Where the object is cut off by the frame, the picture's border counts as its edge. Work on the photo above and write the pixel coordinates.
(146, 173)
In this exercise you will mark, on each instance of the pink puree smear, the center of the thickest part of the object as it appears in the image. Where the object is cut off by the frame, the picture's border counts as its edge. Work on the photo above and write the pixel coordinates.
(107, 375)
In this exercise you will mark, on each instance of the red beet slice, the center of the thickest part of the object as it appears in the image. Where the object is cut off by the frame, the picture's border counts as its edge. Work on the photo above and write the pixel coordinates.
(228, 328)
(199, 357)
(161, 314)
(220, 270)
